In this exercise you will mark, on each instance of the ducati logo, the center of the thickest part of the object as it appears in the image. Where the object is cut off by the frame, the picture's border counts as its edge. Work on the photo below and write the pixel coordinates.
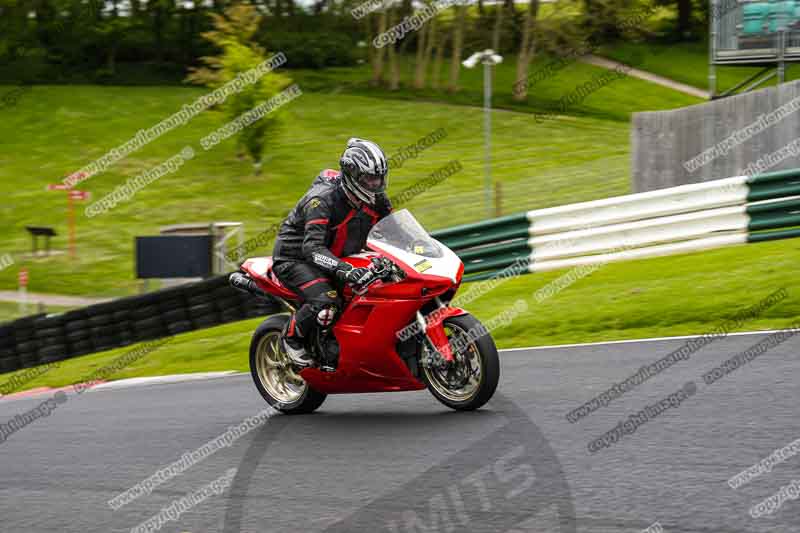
(332, 294)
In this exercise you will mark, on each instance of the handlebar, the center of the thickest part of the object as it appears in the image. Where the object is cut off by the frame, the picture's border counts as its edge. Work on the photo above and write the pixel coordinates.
(384, 269)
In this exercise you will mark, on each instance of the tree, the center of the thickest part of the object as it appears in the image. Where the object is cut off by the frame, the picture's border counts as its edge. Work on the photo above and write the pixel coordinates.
(391, 52)
(425, 43)
(376, 55)
(684, 18)
(458, 45)
(233, 33)
(526, 50)
(437, 62)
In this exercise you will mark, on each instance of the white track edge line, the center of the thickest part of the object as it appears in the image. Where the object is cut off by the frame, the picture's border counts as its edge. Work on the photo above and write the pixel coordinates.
(628, 341)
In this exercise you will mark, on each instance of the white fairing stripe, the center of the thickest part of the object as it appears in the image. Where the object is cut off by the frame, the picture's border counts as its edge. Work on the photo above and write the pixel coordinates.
(446, 266)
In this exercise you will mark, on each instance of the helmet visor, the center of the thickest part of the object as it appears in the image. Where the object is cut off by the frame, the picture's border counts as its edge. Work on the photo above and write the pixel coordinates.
(372, 182)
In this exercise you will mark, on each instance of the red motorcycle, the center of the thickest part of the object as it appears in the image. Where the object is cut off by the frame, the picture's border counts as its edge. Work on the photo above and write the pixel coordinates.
(399, 333)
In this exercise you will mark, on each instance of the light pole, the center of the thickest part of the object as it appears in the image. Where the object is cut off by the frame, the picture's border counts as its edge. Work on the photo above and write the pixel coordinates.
(489, 59)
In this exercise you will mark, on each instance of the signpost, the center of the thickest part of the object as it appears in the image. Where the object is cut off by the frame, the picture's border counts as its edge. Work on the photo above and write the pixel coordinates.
(72, 196)
(22, 282)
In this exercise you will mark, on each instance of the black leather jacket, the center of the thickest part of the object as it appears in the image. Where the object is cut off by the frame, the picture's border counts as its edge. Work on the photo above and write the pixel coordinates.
(326, 225)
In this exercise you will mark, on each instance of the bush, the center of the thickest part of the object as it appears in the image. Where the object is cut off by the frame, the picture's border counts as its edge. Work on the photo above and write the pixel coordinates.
(313, 50)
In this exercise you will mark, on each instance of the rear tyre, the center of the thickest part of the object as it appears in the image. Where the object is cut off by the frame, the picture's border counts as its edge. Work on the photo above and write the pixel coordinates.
(273, 375)
(471, 381)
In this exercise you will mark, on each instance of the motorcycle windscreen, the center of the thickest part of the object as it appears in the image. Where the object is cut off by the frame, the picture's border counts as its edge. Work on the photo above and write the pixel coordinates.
(402, 236)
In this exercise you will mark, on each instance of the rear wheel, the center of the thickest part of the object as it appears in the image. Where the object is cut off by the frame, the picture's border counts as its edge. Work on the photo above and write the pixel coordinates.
(470, 381)
(273, 374)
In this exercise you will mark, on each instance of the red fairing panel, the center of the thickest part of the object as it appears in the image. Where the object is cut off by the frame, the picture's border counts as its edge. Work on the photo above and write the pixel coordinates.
(368, 360)
(435, 329)
(260, 269)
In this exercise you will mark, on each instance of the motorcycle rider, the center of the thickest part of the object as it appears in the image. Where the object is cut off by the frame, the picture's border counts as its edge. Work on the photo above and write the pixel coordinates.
(330, 221)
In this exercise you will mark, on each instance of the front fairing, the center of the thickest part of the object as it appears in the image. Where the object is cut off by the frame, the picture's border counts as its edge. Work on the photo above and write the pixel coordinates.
(400, 237)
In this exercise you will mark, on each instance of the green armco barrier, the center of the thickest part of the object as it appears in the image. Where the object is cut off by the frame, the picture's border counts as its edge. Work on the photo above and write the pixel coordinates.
(764, 236)
(488, 236)
(493, 263)
(476, 227)
(482, 276)
(495, 249)
(774, 221)
(778, 205)
(778, 175)
(769, 191)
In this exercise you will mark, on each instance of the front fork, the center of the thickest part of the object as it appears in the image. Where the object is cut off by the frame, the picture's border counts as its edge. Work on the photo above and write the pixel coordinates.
(433, 327)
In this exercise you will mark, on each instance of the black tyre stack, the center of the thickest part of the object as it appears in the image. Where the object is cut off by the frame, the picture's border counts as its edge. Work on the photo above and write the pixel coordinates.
(27, 347)
(9, 360)
(39, 339)
(51, 339)
(78, 332)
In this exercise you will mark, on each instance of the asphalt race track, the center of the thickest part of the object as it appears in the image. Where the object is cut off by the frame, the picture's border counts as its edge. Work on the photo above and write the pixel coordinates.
(402, 462)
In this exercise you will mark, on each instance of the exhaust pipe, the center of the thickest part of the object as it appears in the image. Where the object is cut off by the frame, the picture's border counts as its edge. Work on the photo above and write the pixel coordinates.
(246, 284)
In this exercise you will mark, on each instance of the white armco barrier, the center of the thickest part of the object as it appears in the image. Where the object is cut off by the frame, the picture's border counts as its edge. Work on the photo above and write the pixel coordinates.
(695, 245)
(632, 207)
(685, 219)
(639, 233)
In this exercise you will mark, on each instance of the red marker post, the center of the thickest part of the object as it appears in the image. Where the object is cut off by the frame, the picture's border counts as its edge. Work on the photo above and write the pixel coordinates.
(72, 196)
(22, 282)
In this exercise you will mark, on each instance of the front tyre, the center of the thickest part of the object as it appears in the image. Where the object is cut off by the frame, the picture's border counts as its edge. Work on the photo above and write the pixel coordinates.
(272, 371)
(471, 380)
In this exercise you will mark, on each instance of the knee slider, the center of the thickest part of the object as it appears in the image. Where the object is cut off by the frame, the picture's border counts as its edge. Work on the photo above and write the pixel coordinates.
(326, 316)
(325, 309)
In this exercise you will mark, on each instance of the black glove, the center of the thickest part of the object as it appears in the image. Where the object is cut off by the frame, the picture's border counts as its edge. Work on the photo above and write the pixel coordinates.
(356, 276)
